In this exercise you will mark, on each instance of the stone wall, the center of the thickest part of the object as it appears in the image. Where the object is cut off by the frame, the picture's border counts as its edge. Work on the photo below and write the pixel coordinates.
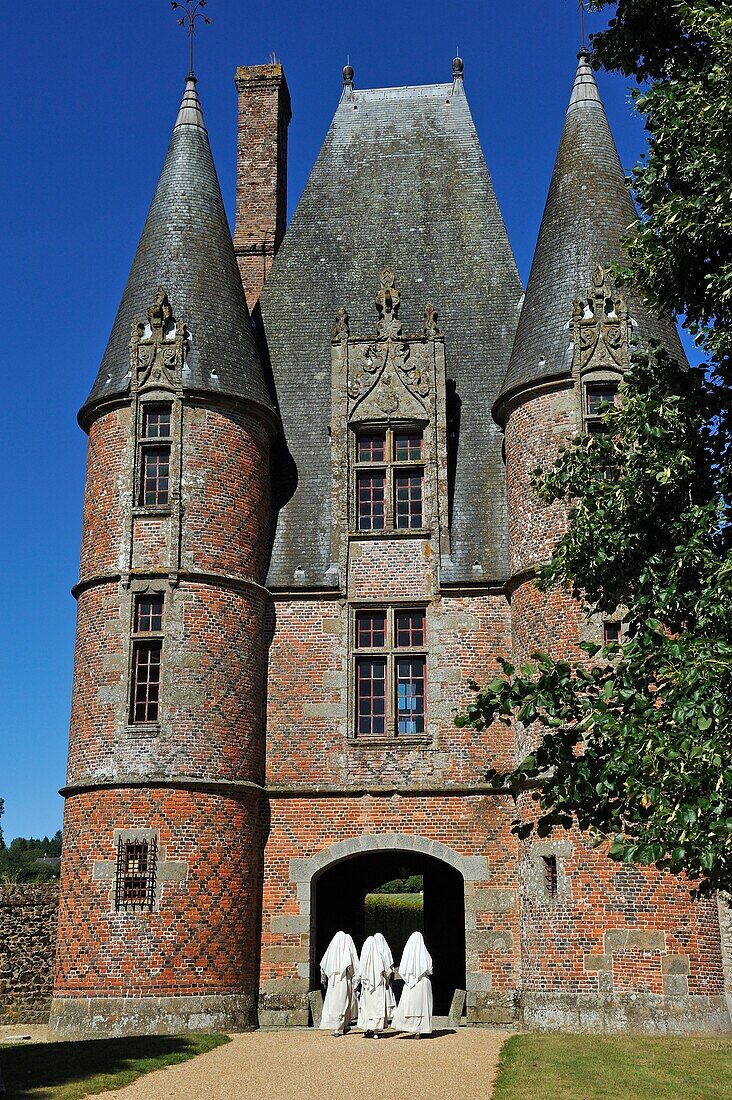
(28, 917)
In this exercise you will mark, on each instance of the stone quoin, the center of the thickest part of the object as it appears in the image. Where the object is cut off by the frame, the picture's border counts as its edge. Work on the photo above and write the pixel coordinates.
(308, 522)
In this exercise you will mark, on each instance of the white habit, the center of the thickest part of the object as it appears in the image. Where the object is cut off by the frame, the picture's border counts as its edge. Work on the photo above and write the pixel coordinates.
(388, 958)
(373, 974)
(337, 968)
(414, 1011)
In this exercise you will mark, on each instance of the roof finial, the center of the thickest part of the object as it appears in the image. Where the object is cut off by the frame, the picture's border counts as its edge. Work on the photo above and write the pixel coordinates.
(347, 93)
(583, 45)
(191, 8)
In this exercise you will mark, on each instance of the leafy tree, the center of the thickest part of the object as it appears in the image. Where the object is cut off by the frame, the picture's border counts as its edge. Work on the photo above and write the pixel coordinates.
(634, 743)
(24, 860)
(2, 811)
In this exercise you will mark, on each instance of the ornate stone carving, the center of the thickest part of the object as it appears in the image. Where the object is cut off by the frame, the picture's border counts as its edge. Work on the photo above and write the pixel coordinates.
(415, 373)
(341, 328)
(387, 304)
(379, 365)
(369, 362)
(601, 326)
(158, 347)
(387, 398)
(430, 322)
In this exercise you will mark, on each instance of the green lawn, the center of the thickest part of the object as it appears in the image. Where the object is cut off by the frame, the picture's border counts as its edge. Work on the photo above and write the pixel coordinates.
(69, 1071)
(618, 1067)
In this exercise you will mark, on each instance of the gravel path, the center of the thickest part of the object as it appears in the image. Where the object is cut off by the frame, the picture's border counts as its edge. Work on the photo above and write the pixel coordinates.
(311, 1065)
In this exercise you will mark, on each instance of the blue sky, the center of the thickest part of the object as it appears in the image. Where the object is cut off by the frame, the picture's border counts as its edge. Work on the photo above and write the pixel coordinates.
(90, 95)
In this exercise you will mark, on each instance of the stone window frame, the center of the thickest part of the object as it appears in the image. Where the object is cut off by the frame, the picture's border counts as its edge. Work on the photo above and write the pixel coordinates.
(390, 427)
(536, 880)
(156, 399)
(391, 652)
(138, 588)
(150, 640)
(593, 380)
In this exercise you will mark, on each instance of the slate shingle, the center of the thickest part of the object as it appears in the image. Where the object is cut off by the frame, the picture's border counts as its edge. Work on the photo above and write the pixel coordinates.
(588, 211)
(400, 180)
(186, 248)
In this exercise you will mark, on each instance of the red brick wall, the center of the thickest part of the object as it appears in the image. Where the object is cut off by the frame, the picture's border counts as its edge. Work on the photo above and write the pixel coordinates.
(108, 457)
(301, 828)
(534, 433)
(204, 937)
(570, 943)
(225, 493)
(310, 700)
(261, 173)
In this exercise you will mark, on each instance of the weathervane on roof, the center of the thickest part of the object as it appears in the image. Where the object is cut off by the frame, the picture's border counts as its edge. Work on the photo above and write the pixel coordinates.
(193, 12)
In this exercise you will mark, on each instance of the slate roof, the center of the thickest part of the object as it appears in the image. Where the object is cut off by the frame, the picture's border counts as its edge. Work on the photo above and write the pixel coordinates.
(588, 210)
(186, 248)
(400, 180)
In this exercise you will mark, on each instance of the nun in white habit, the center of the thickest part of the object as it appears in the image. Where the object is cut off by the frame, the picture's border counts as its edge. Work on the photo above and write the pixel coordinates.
(388, 958)
(414, 1011)
(373, 975)
(338, 966)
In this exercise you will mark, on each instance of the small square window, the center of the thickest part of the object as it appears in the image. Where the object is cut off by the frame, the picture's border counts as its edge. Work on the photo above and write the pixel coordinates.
(407, 446)
(612, 633)
(371, 629)
(148, 614)
(371, 447)
(410, 630)
(156, 422)
(599, 395)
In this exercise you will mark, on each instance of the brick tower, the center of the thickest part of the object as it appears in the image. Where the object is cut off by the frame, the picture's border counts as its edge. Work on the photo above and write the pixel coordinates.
(165, 819)
(604, 946)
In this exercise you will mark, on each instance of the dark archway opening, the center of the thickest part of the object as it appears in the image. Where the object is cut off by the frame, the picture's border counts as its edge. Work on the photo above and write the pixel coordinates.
(339, 901)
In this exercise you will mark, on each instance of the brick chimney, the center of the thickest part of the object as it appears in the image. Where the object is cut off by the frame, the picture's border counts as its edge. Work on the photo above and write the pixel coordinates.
(261, 172)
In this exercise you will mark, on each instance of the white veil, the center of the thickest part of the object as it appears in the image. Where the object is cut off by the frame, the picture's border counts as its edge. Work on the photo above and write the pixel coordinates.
(372, 966)
(416, 960)
(385, 950)
(339, 957)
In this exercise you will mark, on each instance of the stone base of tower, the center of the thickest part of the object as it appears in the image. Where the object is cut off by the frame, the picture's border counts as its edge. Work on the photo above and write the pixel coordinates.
(642, 1013)
(95, 1017)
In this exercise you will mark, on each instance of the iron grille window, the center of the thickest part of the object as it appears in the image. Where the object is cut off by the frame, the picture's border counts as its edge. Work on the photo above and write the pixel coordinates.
(390, 672)
(390, 480)
(147, 659)
(136, 877)
(551, 877)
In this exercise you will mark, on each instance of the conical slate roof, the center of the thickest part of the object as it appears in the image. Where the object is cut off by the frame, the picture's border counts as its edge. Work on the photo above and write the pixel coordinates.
(400, 181)
(588, 210)
(186, 249)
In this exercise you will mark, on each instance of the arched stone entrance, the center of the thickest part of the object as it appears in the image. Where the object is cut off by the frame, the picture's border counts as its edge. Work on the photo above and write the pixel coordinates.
(333, 885)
